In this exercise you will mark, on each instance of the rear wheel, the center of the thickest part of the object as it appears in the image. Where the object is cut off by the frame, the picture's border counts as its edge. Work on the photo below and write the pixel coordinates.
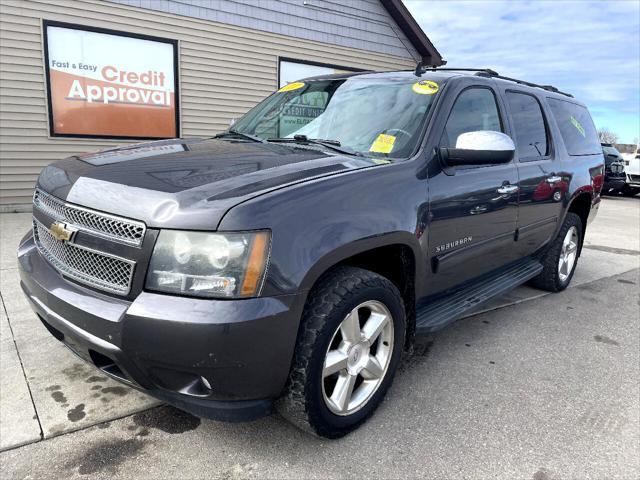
(349, 346)
(560, 260)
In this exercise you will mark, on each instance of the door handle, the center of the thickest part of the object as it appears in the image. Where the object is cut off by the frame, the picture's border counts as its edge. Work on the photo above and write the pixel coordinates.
(508, 189)
(478, 209)
(554, 179)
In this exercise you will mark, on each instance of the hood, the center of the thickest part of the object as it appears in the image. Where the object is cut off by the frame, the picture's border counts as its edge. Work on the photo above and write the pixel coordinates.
(187, 183)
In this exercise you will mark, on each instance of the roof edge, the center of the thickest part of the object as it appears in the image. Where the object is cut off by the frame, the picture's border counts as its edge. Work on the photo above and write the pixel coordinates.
(413, 31)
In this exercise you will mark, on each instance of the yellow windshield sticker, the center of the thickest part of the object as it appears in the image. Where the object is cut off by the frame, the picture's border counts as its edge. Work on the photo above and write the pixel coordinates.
(383, 144)
(292, 86)
(425, 87)
(578, 126)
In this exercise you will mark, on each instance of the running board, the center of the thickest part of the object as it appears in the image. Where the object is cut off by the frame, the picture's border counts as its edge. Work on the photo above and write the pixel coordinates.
(440, 312)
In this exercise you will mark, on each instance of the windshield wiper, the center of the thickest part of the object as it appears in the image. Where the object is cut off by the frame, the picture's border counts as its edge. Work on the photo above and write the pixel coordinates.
(239, 134)
(332, 144)
(304, 138)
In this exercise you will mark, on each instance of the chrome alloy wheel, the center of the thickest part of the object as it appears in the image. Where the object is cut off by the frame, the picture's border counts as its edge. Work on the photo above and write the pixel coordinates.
(568, 254)
(357, 358)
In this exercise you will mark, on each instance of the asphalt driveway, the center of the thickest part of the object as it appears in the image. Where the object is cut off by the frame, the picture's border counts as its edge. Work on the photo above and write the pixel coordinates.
(538, 386)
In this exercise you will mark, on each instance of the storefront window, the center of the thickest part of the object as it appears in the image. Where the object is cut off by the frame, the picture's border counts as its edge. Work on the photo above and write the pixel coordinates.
(291, 70)
(108, 84)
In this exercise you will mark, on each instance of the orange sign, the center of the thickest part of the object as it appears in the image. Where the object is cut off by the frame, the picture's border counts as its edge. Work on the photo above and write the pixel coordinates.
(110, 85)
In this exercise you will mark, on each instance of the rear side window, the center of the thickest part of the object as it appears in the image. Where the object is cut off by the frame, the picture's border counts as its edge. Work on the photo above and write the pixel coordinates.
(577, 129)
(475, 109)
(529, 126)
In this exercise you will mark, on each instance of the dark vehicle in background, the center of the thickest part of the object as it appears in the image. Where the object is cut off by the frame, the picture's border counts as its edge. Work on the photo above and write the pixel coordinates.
(291, 260)
(614, 174)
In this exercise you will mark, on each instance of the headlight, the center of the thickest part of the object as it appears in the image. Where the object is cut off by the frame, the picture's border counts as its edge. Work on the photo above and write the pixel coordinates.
(209, 264)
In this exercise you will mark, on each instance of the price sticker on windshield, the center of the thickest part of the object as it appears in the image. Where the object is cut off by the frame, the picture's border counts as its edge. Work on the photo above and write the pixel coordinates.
(425, 87)
(383, 144)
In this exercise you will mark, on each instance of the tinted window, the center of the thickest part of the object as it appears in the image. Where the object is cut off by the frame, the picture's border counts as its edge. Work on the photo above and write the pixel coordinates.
(475, 109)
(577, 129)
(529, 127)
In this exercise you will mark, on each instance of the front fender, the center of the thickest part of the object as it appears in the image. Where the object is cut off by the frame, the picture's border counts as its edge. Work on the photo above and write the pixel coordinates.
(363, 245)
(318, 224)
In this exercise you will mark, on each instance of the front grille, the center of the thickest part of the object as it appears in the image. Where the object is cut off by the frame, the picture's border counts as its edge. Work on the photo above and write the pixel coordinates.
(110, 227)
(88, 266)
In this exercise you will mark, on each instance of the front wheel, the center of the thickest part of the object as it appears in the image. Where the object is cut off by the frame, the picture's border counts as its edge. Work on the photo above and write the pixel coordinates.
(347, 352)
(560, 260)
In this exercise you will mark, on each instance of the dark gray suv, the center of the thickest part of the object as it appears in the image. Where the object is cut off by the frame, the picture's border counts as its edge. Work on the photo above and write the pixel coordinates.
(614, 174)
(291, 260)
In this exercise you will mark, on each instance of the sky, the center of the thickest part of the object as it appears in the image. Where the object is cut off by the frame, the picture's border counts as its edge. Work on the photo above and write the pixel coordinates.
(590, 49)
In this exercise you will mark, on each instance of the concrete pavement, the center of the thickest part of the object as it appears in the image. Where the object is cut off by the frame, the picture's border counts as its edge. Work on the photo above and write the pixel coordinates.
(538, 388)
(53, 391)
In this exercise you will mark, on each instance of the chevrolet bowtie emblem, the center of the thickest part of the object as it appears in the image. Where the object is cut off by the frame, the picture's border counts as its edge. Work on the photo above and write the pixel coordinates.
(60, 232)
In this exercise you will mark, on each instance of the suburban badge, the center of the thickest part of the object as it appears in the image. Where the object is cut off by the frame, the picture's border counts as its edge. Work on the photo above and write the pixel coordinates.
(453, 244)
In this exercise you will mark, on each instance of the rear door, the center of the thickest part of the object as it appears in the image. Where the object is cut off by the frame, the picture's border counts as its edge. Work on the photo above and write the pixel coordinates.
(543, 185)
(473, 210)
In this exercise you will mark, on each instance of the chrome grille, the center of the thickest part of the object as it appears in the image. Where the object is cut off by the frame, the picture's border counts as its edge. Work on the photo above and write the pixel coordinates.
(88, 266)
(617, 167)
(100, 224)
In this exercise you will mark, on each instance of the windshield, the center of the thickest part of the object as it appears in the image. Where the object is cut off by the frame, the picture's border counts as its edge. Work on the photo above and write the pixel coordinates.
(374, 117)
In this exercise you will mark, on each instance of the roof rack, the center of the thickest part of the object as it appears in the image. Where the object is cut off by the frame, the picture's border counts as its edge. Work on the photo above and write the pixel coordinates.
(487, 72)
(420, 69)
(549, 88)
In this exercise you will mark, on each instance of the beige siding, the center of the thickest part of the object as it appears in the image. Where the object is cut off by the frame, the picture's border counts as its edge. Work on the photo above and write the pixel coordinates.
(224, 70)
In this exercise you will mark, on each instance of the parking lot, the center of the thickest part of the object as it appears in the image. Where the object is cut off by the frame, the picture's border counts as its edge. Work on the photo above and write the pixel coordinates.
(533, 386)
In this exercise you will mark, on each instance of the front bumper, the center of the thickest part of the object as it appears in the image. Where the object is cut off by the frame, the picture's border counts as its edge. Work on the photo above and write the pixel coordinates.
(613, 183)
(221, 359)
(633, 181)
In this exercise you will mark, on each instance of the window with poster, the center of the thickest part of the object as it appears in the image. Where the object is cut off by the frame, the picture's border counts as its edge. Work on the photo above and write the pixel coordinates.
(109, 84)
(304, 108)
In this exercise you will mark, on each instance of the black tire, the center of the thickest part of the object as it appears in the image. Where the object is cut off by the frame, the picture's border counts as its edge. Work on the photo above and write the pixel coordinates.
(331, 300)
(549, 279)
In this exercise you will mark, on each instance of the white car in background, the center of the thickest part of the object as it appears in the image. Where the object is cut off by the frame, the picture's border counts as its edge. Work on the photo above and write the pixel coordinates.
(632, 171)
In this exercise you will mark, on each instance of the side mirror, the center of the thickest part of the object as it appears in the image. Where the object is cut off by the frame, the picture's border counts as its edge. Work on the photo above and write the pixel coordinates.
(483, 147)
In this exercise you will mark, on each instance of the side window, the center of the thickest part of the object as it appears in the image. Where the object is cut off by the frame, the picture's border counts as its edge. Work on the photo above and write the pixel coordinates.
(475, 109)
(576, 127)
(529, 126)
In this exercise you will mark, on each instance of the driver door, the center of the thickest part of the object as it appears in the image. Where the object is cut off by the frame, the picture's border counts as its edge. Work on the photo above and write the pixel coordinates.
(473, 209)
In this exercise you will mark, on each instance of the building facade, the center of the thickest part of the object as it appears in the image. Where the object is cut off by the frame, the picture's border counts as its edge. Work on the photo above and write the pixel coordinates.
(85, 75)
